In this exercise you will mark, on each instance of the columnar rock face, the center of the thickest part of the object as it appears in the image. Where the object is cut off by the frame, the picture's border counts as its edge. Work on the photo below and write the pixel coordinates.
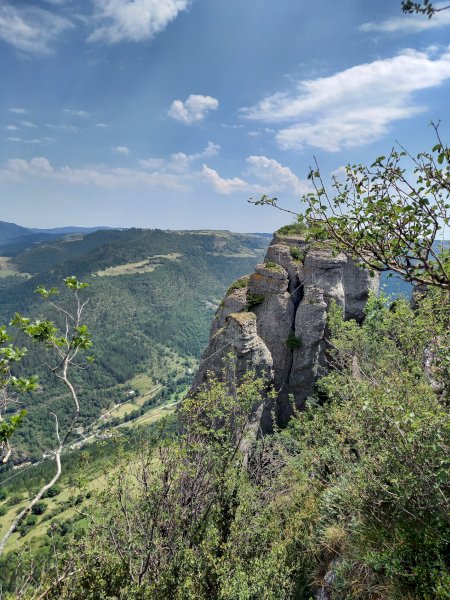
(275, 320)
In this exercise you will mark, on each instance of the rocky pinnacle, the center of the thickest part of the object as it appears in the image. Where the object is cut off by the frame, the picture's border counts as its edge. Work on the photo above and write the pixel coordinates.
(275, 321)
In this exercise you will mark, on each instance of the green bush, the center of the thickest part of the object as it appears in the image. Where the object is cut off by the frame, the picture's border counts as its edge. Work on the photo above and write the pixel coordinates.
(14, 499)
(237, 285)
(254, 300)
(53, 491)
(273, 266)
(293, 229)
(296, 253)
(39, 508)
(293, 342)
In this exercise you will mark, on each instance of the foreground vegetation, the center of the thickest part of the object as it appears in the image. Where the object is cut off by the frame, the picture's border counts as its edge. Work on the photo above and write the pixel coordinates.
(353, 496)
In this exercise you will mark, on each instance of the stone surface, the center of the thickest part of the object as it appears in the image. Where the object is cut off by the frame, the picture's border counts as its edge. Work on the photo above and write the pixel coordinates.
(277, 325)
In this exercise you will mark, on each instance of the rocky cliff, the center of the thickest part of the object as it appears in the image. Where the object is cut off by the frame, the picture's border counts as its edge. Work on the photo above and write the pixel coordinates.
(275, 320)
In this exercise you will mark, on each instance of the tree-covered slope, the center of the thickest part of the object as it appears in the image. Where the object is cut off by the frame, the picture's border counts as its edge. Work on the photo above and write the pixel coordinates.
(151, 300)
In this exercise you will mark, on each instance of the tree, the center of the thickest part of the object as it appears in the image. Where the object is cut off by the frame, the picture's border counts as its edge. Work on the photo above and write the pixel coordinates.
(64, 348)
(388, 218)
(424, 8)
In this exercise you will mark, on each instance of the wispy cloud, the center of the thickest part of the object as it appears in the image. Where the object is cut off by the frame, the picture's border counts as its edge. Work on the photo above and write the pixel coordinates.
(18, 111)
(31, 30)
(28, 124)
(410, 23)
(34, 141)
(343, 110)
(76, 113)
(121, 150)
(180, 161)
(12, 128)
(121, 20)
(194, 109)
(40, 167)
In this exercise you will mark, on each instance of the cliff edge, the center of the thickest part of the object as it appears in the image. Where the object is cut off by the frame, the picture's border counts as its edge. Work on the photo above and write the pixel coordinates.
(275, 320)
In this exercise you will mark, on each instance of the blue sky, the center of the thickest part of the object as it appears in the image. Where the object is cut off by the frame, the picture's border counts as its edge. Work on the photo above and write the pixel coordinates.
(172, 113)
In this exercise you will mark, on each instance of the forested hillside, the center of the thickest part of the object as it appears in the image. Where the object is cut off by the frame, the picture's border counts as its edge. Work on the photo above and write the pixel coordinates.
(151, 295)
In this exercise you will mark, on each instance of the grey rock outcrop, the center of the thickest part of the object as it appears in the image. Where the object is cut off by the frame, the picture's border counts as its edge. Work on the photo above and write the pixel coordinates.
(275, 320)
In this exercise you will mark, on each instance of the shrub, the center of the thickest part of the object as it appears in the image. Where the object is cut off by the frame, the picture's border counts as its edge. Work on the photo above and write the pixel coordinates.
(296, 253)
(3, 510)
(14, 499)
(53, 491)
(293, 342)
(39, 508)
(293, 229)
(237, 285)
(254, 300)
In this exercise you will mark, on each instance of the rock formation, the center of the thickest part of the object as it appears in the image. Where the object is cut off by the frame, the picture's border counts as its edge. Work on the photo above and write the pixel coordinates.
(275, 320)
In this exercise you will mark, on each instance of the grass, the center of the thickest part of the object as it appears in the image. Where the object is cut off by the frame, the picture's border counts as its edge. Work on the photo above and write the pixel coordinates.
(237, 285)
(7, 269)
(292, 229)
(96, 481)
(143, 266)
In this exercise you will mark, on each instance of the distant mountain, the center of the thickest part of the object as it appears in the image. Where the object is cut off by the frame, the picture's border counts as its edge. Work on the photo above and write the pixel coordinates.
(71, 229)
(14, 239)
(11, 231)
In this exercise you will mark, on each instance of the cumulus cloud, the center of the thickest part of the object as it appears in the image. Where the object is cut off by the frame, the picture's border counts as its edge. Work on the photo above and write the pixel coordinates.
(133, 20)
(343, 110)
(276, 177)
(121, 150)
(410, 23)
(225, 186)
(194, 109)
(31, 30)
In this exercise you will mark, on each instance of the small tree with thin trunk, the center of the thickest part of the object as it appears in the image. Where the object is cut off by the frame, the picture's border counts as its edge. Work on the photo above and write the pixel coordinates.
(66, 346)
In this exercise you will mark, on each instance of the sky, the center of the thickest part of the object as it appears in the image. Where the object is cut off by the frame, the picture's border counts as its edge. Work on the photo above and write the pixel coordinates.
(173, 113)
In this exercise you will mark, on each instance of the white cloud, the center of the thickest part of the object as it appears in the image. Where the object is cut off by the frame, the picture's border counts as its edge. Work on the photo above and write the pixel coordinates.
(41, 168)
(353, 107)
(179, 161)
(101, 125)
(121, 150)
(17, 111)
(12, 128)
(224, 186)
(27, 124)
(42, 140)
(133, 20)
(410, 23)
(276, 177)
(75, 113)
(63, 128)
(31, 30)
(194, 109)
